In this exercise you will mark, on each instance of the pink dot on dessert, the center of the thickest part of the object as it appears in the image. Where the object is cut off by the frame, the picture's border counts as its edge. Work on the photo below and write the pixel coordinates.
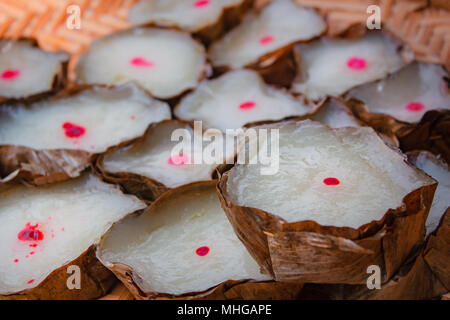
(247, 105)
(201, 3)
(414, 106)
(202, 251)
(331, 181)
(10, 74)
(266, 40)
(30, 233)
(72, 130)
(356, 63)
(178, 160)
(141, 62)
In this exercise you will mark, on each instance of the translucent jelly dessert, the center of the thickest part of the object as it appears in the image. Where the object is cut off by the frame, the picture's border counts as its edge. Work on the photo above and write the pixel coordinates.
(164, 62)
(277, 25)
(407, 94)
(153, 157)
(196, 16)
(238, 98)
(43, 229)
(182, 244)
(27, 70)
(92, 120)
(338, 177)
(333, 66)
(335, 114)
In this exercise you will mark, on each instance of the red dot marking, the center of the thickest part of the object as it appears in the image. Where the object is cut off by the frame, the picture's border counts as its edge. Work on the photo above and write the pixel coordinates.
(30, 233)
(30, 281)
(141, 62)
(72, 130)
(32, 252)
(202, 251)
(247, 105)
(201, 3)
(133, 117)
(178, 160)
(266, 39)
(414, 106)
(331, 181)
(16, 260)
(356, 63)
(10, 74)
(62, 229)
(34, 245)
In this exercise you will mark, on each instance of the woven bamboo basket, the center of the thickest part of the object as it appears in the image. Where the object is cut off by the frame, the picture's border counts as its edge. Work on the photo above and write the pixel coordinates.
(423, 25)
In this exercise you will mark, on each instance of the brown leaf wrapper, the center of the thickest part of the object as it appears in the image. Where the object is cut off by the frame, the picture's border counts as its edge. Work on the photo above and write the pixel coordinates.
(278, 67)
(40, 167)
(96, 281)
(119, 292)
(246, 289)
(432, 133)
(143, 187)
(440, 4)
(60, 79)
(229, 18)
(306, 251)
(425, 275)
(228, 290)
(383, 124)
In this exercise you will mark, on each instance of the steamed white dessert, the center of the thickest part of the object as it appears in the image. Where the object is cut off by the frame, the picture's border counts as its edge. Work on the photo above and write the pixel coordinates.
(42, 229)
(155, 157)
(237, 98)
(92, 120)
(338, 177)
(165, 62)
(407, 94)
(333, 66)
(440, 171)
(27, 70)
(279, 24)
(335, 115)
(190, 15)
(180, 245)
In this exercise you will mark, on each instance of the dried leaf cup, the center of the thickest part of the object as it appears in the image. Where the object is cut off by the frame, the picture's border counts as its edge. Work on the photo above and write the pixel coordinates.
(56, 138)
(26, 71)
(182, 247)
(264, 41)
(328, 216)
(206, 20)
(49, 235)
